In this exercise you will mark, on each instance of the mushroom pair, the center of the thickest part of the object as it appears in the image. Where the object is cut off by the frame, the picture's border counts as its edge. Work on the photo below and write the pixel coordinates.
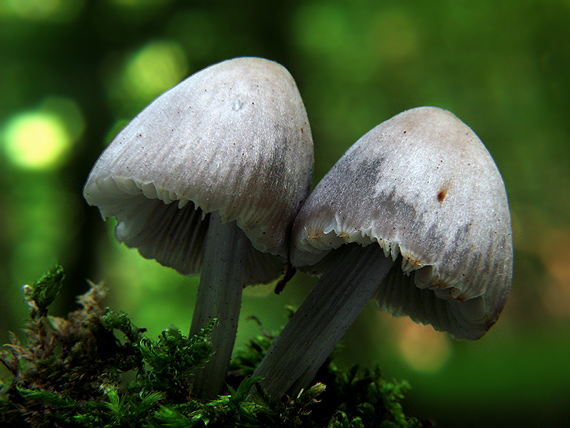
(415, 214)
(208, 179)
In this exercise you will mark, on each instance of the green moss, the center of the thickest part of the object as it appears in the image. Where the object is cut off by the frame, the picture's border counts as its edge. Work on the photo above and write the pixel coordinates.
(95, 368)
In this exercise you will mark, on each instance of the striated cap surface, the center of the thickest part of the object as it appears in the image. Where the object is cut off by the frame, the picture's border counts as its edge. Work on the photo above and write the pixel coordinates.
(423, 187)
(233, 138)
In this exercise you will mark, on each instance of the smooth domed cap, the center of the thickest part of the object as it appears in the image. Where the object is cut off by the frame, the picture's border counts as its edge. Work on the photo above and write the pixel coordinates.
(423, 186)
(233, 138)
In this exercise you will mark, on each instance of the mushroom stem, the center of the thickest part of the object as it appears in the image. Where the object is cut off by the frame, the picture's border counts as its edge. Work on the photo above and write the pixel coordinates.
(322, 320)
(219, 296)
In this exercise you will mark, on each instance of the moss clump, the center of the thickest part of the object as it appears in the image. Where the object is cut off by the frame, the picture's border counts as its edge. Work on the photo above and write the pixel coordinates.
(97, 369)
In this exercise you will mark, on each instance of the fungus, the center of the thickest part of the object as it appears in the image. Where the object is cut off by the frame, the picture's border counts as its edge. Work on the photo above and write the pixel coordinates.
(414, 214)
(207, 180)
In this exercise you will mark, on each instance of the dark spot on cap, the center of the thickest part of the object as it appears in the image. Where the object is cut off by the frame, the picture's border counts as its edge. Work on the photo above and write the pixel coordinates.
(441, 195)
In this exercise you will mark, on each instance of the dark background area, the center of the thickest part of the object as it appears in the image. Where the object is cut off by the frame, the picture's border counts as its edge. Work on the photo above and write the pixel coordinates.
(73, 72)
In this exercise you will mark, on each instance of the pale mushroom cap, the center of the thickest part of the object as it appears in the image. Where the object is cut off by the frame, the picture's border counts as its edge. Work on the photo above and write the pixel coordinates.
(424, 187)
(233, 138)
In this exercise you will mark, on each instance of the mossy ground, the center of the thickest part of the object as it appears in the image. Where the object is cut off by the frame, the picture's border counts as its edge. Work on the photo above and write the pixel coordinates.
(95, 368)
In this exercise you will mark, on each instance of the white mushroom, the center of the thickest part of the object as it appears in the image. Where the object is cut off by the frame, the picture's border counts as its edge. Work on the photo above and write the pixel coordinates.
(207, 180)
(414, 214)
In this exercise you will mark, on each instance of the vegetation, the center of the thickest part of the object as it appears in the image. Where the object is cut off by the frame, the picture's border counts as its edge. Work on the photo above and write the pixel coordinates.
(95, 368)
(74, 72)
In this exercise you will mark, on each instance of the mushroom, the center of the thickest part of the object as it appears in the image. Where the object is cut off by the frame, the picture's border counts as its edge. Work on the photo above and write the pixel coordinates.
(414, 214)
(207, 180)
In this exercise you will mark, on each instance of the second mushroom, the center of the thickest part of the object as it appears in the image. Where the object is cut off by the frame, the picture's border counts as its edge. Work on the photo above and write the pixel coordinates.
(414, 214)
(208, 179)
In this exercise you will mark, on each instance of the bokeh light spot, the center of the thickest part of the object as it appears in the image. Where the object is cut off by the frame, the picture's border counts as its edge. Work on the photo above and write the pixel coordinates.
(35, 140)
(153, 69)
(41, 139)
(42, 10)
(422, 348)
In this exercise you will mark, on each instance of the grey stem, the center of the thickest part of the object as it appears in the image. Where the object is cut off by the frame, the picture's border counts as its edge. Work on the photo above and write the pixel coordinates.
(219, 296)
(322, 320)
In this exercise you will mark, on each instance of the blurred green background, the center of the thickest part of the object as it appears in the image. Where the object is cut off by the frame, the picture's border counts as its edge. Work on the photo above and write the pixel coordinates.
(72, 72)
